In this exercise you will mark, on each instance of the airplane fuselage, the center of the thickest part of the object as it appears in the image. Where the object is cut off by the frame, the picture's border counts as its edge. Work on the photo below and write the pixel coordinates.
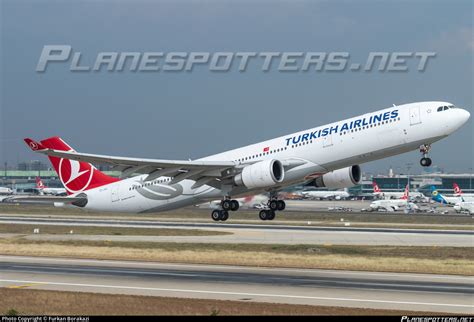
(322, 149)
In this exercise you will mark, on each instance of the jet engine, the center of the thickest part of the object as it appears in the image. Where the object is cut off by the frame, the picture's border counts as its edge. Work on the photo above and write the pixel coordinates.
(261, 174)
(342, 178)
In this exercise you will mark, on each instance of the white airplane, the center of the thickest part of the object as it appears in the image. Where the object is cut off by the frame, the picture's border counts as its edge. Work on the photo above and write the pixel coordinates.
(321, 194)
(324, 156)
(48, 191)
(394, 194)
(394, 204)
(5, 191)
(458, 192)
(464, 206)
(448, 200)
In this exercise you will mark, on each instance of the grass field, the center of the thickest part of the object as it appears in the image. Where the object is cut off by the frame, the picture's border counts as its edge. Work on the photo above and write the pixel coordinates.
(40, 302)
(436, 260)
(98, 230)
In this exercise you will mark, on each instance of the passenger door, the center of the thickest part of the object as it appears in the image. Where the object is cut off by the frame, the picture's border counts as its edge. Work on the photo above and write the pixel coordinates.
(327, 141)
(415, 117)
(115, 192)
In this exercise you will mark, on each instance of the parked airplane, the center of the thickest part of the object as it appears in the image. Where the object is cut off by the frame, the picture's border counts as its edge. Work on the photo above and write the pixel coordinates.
(394, 194)
(324, 194)
(325, 156)
(49, 191)
(448, 200)
(5, 191)
(458, 192)
(394, 204)
(464, 206)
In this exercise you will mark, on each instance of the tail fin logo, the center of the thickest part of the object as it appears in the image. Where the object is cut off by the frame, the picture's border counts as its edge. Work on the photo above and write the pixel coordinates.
(405, 193)
(76, 176)
(33, 145)
(457, 189)
(376, 187)
(39, 183)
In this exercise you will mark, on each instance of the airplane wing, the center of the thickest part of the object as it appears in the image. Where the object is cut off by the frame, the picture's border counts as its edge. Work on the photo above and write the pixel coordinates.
(45, 199)
(212, 173)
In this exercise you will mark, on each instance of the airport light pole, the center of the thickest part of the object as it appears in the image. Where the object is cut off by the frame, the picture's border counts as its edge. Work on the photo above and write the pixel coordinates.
(398, 177)
(408, 180)
(470, 179)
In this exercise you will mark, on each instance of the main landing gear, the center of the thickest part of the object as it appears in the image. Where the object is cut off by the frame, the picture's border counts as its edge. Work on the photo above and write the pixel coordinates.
(218, 215)
(223, 214)
(424, 149)
(273, 205)
(228, 204)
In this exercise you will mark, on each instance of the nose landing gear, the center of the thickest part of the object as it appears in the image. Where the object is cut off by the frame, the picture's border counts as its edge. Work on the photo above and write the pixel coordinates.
(425, 149)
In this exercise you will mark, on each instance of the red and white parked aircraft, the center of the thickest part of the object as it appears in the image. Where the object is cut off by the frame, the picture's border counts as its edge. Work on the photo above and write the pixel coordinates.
(394, 194)
(458, 192)
(42, 189)
(325, 156)
(394, 204)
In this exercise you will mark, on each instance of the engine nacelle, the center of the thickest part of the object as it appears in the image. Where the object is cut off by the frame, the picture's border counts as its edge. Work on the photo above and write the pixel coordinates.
(261, 174)
(342, 178)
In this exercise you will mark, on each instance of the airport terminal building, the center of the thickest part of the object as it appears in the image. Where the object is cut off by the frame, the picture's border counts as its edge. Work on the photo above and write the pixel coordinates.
(422, 183)
(24, 180)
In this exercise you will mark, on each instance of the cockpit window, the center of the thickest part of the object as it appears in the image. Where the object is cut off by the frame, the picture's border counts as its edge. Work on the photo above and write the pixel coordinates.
(444, 108)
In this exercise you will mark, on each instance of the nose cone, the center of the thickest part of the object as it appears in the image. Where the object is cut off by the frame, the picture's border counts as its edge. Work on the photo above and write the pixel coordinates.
(463, 115)
(457, 120)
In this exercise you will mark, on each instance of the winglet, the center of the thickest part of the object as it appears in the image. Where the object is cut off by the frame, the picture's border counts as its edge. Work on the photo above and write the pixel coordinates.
(35, 146)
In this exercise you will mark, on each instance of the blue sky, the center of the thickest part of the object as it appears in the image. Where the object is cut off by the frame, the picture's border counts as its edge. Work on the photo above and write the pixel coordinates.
(189, 115)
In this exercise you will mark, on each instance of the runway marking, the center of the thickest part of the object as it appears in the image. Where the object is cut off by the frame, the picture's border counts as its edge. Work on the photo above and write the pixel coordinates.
(308, 279)
(99, 270)
(341, 299)
(203, 225)
(25, 285)
(240, 268)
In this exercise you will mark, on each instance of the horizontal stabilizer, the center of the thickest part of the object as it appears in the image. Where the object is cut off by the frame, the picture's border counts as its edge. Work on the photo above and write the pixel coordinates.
(46, 199)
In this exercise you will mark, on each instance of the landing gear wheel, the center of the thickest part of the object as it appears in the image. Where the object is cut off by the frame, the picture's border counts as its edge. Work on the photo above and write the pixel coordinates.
(273, 204)
(281, 205)
(425, 162)
(424, 150)
(263, 215)
(270, 215)
(216, 215)
(224, 215)
(226, 204)
(234, 205)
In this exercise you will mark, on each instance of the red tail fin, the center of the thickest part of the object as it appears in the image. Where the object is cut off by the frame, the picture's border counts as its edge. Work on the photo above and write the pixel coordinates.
(39, 183)
(457, 189)
(76, 176)
(376, 187)
(405, 194)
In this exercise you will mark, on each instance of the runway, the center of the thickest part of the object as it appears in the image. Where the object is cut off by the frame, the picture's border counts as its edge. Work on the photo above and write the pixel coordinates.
(419, 292)
(258, 233)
